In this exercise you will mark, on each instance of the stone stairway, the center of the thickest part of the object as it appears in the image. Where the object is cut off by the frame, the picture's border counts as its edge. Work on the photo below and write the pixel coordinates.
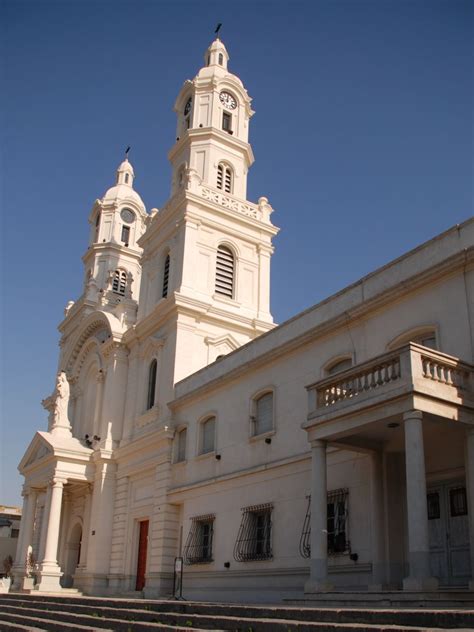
(61, 614)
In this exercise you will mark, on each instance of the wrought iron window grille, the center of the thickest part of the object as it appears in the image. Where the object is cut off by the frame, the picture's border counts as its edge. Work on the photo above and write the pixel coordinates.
(337, 524)
(198, 547)
(254, 539)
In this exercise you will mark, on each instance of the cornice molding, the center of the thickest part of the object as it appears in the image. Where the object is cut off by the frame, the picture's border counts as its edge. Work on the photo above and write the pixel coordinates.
(351, 316)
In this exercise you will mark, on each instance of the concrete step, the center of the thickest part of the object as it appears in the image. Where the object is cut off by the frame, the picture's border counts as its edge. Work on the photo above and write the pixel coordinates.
(63, 620)
(58, 621)
(175, 611)
(8, 626)
(119, 614)
(16, 620)
(388, 599)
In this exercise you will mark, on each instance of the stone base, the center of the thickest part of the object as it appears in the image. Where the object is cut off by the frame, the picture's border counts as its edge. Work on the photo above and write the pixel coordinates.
(91, 584)
(158, 585)
(48, 578)
(28, 583)
(317, 586)
(420, 584)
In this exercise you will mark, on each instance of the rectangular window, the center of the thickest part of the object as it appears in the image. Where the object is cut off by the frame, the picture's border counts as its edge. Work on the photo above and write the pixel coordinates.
(263, 418)
(226, 122)
(198, 548)
(458, 502)
(337, 524)
(126, 234)
(434, 509)
(181, 447)
(336, 521)
(208, 430)
(254, 540)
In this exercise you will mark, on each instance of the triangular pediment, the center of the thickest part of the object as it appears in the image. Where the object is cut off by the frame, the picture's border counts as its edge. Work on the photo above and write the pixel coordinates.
(38, 449)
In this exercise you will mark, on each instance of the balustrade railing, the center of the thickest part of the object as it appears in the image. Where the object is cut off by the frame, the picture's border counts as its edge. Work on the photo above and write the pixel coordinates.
(407, 367)
(371, 378)
(438, 371)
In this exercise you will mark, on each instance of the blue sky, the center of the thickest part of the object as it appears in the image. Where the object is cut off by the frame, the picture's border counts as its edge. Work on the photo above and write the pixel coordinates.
(362, 137)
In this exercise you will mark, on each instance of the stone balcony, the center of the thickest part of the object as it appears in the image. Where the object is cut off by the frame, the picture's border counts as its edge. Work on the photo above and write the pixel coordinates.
(411, 377)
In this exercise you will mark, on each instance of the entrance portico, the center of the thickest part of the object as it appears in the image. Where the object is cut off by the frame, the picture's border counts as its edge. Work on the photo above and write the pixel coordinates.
(397, 407)
(56, 469)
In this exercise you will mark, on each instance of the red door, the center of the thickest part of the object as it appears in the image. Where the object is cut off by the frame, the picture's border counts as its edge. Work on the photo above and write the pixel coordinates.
(142, 550)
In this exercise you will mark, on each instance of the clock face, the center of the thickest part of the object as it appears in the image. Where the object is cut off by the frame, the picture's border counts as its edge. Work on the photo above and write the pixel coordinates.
(187, 107)
(127, 215)
(228, 100)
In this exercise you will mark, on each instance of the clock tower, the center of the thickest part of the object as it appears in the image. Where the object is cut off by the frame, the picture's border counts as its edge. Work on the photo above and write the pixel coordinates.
(206, 253)
(213, 114)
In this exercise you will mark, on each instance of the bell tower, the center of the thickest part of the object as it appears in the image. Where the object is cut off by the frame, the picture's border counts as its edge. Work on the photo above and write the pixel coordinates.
(112, 260)
(213, 113)
(206, 252)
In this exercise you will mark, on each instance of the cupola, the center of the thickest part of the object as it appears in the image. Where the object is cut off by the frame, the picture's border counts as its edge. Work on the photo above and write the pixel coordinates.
(217, 55)
(125, 173)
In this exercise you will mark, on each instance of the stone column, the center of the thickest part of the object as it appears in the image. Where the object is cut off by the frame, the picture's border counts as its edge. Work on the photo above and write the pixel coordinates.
(469, 466)
(44, 524)
(377, 522)
(318, 580)
(131, 397)
(94, 578)
(49, 571)
(264, 254)
(114, 396)
(417, 511)
(25, 538)
(98, 404)
(85, 528)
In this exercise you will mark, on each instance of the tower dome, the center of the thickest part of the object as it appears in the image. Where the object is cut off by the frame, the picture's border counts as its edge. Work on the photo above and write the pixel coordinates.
(123, 187)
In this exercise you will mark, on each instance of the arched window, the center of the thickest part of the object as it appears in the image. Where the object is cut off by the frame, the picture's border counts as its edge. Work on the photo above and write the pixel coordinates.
(166, 277)
(126, 178)
(339, 365)
(208, 429)
(119, 282)
(262, 419)
(97, 227)
(181, 446)
(225, 272)
(150, 399)
(181, 172)
(422, 336)
(221, 59)
(225, 178)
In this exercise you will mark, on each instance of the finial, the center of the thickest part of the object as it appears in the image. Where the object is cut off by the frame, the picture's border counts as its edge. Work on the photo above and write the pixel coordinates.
(126, 152)
(218, 28)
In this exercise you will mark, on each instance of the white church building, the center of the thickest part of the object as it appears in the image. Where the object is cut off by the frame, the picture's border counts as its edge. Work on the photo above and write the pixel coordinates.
(334, 450)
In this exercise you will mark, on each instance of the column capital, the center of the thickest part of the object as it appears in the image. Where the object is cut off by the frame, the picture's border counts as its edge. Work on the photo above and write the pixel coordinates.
(58, 481)
(318, 443)
(413, 414)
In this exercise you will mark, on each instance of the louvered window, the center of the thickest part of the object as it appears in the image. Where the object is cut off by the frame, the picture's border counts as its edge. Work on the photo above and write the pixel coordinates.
(150, 401)
(166, 277)
(254, 540)
(225, 272)
(263, 418)
(119, 282)
(181, 446)
(337, 524)
(198, 548)
(208, 435)
(224, 178)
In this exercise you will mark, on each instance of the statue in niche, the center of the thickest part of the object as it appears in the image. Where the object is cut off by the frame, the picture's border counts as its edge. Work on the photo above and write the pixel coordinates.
(61, 401)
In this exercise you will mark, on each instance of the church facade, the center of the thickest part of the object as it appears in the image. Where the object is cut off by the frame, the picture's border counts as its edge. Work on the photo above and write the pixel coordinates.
(335, 450)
